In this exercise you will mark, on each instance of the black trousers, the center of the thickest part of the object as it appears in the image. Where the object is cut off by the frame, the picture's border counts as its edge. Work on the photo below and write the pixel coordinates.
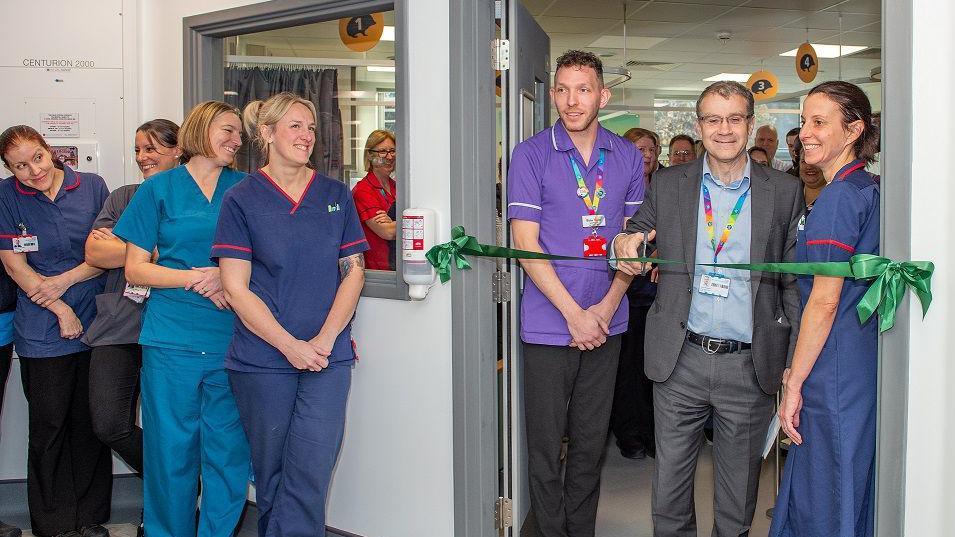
(69, 471)
(632, 418)
(114, 390)
(6, 356)
(567, 392)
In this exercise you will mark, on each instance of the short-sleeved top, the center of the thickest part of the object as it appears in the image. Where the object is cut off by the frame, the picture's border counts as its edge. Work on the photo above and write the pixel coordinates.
(118, 319)
(370, 197)
(542, 188)
(61, 227)
(844, 222)
(171, 214)
(294, 248)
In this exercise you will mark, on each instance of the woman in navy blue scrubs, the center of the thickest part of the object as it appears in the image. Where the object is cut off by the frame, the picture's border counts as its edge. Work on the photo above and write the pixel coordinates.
(46, 212)
(829, 398)
(289, 243)
(191, 426)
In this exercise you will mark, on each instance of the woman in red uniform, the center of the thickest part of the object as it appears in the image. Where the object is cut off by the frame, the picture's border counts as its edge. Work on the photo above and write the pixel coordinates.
(375, 200)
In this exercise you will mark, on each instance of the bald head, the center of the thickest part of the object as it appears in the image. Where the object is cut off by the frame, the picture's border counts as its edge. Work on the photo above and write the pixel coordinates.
(767, 139)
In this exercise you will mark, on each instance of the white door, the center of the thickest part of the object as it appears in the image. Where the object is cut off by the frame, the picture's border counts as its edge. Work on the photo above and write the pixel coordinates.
(525, 111)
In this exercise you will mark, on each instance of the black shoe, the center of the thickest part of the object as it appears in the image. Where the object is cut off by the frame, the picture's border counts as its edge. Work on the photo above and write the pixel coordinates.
(140, 531)
(94, 531)
(69, 534)
(635, 453)
(6, 530)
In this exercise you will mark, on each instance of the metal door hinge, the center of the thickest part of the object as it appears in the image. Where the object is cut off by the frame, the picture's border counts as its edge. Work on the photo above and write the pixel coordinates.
(501, 54)
(502, 513)
(501, 287)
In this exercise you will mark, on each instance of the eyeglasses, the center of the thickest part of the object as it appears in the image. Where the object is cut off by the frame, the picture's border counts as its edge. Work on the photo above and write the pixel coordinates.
(383, 152)
(682, 153)
(715, 121)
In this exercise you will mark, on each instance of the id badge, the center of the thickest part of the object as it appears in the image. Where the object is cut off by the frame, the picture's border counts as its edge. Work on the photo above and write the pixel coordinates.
(136, 293)
(715, 284)
(25, 243)
(593, 220)
(595, 246)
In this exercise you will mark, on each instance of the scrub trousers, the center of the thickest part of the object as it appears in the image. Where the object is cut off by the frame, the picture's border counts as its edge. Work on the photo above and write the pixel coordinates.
(295, 423)
(69, 471)
(191, 428)
(114, 392)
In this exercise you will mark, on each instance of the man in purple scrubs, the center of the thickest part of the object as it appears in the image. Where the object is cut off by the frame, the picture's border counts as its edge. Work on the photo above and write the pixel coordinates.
(570, 188)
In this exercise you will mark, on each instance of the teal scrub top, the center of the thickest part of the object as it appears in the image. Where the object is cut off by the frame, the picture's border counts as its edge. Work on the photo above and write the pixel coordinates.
(170, 213)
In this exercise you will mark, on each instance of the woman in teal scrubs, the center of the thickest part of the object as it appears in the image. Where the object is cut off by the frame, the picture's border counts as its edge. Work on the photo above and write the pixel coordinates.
(190, 422)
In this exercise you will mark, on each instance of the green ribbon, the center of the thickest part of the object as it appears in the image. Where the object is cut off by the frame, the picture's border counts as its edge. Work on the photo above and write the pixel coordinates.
(889, 278)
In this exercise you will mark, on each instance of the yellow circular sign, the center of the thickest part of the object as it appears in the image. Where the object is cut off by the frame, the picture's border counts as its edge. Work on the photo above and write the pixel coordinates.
(763, 84)
(807, 63)
(361, 33)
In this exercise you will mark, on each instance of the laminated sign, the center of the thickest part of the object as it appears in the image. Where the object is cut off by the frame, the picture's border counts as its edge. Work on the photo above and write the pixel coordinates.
(361, 33)
(807, 63)
(763, 84)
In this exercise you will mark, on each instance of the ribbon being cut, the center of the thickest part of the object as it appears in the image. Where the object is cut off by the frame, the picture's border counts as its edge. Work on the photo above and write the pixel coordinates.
(889, 278)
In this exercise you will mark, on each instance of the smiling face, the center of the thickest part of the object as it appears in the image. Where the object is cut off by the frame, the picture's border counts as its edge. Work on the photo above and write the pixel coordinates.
(578, 96)
(31, 164)
(383, 158)
(153, 157)
(682, 152)
(810, 175)
(292, 137)
(724, 140)
(826, 141)
(225, 138)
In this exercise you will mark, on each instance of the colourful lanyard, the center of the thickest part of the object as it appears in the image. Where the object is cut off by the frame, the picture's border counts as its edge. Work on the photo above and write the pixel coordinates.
(592, 202)
(708, 212)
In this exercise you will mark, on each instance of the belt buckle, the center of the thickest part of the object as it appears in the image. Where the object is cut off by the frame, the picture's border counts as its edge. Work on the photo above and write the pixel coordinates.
(708, 342)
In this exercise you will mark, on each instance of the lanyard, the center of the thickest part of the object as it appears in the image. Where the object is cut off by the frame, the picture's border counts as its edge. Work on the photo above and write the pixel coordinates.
(708, 213)
(592, 202)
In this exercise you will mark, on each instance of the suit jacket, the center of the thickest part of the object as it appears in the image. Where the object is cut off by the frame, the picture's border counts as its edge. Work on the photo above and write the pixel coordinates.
(671, 206)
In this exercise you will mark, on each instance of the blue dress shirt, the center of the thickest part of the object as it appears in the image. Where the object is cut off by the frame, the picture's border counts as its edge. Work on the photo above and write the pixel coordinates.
(715, 316)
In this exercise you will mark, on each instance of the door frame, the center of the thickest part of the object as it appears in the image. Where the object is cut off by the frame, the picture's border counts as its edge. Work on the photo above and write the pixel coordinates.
(896, 244)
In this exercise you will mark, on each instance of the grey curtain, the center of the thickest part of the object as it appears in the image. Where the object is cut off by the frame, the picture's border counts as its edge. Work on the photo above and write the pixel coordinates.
(320, 86)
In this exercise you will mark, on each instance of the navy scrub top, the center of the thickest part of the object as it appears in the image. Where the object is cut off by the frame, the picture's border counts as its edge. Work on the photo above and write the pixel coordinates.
(294, 249)
(61, 227)
(170, 213)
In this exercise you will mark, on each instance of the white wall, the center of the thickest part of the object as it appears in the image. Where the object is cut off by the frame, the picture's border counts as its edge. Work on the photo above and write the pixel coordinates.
(929, 466)
(394, 475)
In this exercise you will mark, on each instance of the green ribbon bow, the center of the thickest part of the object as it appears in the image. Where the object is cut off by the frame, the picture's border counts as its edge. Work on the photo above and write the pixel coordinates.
(890, 278)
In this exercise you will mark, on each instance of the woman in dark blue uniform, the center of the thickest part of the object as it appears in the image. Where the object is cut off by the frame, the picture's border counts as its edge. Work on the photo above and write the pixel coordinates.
(46, 212)
(829, 402)
(289, 243)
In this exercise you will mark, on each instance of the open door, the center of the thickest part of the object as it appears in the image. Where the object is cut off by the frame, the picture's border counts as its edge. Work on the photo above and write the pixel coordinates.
(523, 55)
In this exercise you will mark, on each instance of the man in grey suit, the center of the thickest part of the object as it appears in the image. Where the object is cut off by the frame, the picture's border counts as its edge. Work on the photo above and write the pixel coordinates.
(718, 340)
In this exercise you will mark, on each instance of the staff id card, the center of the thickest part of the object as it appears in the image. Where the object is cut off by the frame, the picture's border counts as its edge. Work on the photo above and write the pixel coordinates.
(593, 220)
(136, 293)
(25, 243)
(713, 283)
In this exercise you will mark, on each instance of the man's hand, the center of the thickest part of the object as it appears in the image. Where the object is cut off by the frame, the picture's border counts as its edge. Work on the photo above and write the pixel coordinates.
(588, 330)
(629, 246)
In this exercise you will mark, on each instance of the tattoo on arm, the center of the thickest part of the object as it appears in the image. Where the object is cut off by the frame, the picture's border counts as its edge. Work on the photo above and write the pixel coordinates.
(347, 264)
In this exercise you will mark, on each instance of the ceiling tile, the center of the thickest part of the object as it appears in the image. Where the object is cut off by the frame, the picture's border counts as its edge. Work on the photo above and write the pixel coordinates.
(578, 25)
(746, 16)
(677, 12)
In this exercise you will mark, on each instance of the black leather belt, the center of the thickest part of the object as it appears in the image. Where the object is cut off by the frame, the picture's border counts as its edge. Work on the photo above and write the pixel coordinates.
(713, 345)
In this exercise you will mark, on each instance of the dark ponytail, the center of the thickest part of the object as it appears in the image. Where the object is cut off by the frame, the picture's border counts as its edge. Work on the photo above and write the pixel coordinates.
(854, 104)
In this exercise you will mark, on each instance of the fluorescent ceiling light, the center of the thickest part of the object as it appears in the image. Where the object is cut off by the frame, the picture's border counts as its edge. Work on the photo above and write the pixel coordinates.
(829, 51)
(388, 34)
(381, 68)
(735, 77)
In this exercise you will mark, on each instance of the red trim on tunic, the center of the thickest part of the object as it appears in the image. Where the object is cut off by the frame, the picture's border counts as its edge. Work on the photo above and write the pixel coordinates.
(19, 187)
(832, 242)
(232, 247)
(353, 243)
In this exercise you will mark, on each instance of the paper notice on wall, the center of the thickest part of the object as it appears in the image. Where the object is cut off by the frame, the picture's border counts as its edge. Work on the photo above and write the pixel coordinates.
(60, 125)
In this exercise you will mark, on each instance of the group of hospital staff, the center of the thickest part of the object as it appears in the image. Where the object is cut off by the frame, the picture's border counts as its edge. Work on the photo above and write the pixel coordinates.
(226, 298)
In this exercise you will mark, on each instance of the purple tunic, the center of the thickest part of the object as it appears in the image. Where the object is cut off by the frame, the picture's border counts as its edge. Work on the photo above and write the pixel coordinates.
(542, 188)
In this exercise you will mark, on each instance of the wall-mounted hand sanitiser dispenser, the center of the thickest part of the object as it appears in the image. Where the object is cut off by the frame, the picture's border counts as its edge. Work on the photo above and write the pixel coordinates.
(417, 237)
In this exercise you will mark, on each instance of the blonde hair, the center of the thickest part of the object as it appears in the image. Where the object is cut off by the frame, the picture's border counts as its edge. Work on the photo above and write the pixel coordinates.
(375, 138)
(268, 113)
(194, 133)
